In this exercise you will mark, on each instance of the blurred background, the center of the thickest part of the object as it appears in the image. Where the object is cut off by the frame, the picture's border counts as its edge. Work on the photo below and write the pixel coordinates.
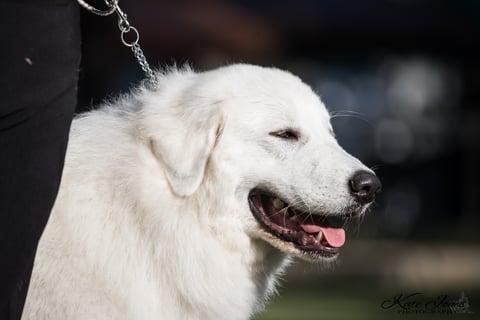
(401, 80)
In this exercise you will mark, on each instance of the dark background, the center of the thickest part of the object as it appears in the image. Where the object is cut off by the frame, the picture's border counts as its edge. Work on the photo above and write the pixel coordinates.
(401, 79)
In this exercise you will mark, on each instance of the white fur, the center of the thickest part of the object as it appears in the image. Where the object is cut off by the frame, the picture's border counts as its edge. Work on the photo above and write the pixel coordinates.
(152, 219)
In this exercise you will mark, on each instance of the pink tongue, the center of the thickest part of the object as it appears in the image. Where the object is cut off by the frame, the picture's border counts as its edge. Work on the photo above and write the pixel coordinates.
(335, 237)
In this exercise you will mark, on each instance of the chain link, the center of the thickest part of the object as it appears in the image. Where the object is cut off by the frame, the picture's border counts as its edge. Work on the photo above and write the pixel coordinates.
(138, 53)
(125, 27)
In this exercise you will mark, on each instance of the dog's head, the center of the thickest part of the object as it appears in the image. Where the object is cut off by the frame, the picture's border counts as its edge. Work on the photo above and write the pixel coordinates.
(261, 140)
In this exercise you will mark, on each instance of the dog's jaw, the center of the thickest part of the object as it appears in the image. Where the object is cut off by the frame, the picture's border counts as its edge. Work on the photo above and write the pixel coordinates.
(292, 250)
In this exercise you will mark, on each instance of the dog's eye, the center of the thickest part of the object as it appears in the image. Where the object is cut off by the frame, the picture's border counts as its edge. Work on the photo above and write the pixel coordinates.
(287, 134)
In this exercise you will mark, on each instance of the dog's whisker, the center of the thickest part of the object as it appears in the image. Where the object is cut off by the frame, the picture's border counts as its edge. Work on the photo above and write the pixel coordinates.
(284, 210)
(350, 114)
(310, 215)
(345, 113)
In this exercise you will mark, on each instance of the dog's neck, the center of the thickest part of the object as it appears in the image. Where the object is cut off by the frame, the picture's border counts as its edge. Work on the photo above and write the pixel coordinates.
(260, 263)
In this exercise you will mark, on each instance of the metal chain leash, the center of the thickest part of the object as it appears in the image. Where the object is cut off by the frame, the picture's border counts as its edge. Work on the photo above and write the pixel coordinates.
(125, 28)
(138, 53)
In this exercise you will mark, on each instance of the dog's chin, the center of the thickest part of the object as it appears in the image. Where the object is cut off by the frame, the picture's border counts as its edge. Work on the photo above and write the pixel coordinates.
(290, 248)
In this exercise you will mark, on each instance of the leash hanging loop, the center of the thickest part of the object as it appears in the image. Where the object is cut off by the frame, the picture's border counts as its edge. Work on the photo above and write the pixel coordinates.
(112, 5)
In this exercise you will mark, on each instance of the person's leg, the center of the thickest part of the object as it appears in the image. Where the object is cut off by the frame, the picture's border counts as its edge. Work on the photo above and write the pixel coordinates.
(38, 79)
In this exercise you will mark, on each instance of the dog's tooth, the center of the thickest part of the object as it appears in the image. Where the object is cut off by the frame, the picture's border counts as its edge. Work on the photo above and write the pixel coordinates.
(293, 218)
(278, 204)
(319, 236)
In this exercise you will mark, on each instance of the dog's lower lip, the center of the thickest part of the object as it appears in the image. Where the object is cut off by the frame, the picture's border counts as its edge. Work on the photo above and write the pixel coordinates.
(303, 241)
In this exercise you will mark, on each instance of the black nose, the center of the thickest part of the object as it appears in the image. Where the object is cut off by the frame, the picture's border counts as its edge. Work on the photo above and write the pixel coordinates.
(364, 185)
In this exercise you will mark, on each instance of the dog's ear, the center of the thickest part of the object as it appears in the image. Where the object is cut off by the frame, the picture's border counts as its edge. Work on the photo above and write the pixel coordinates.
(183, 142)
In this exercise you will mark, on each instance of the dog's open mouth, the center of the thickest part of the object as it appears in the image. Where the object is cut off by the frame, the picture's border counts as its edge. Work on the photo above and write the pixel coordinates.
(311, 233)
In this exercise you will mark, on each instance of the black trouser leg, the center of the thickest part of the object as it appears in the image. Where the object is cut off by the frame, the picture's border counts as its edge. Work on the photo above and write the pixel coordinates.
(39, 63)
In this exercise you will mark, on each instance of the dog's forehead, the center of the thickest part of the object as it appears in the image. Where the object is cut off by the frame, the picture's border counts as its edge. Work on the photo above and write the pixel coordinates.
(276, 92)
(256, 94)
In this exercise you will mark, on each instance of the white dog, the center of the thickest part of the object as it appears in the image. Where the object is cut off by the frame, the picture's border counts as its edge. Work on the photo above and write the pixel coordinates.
(187, 201)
